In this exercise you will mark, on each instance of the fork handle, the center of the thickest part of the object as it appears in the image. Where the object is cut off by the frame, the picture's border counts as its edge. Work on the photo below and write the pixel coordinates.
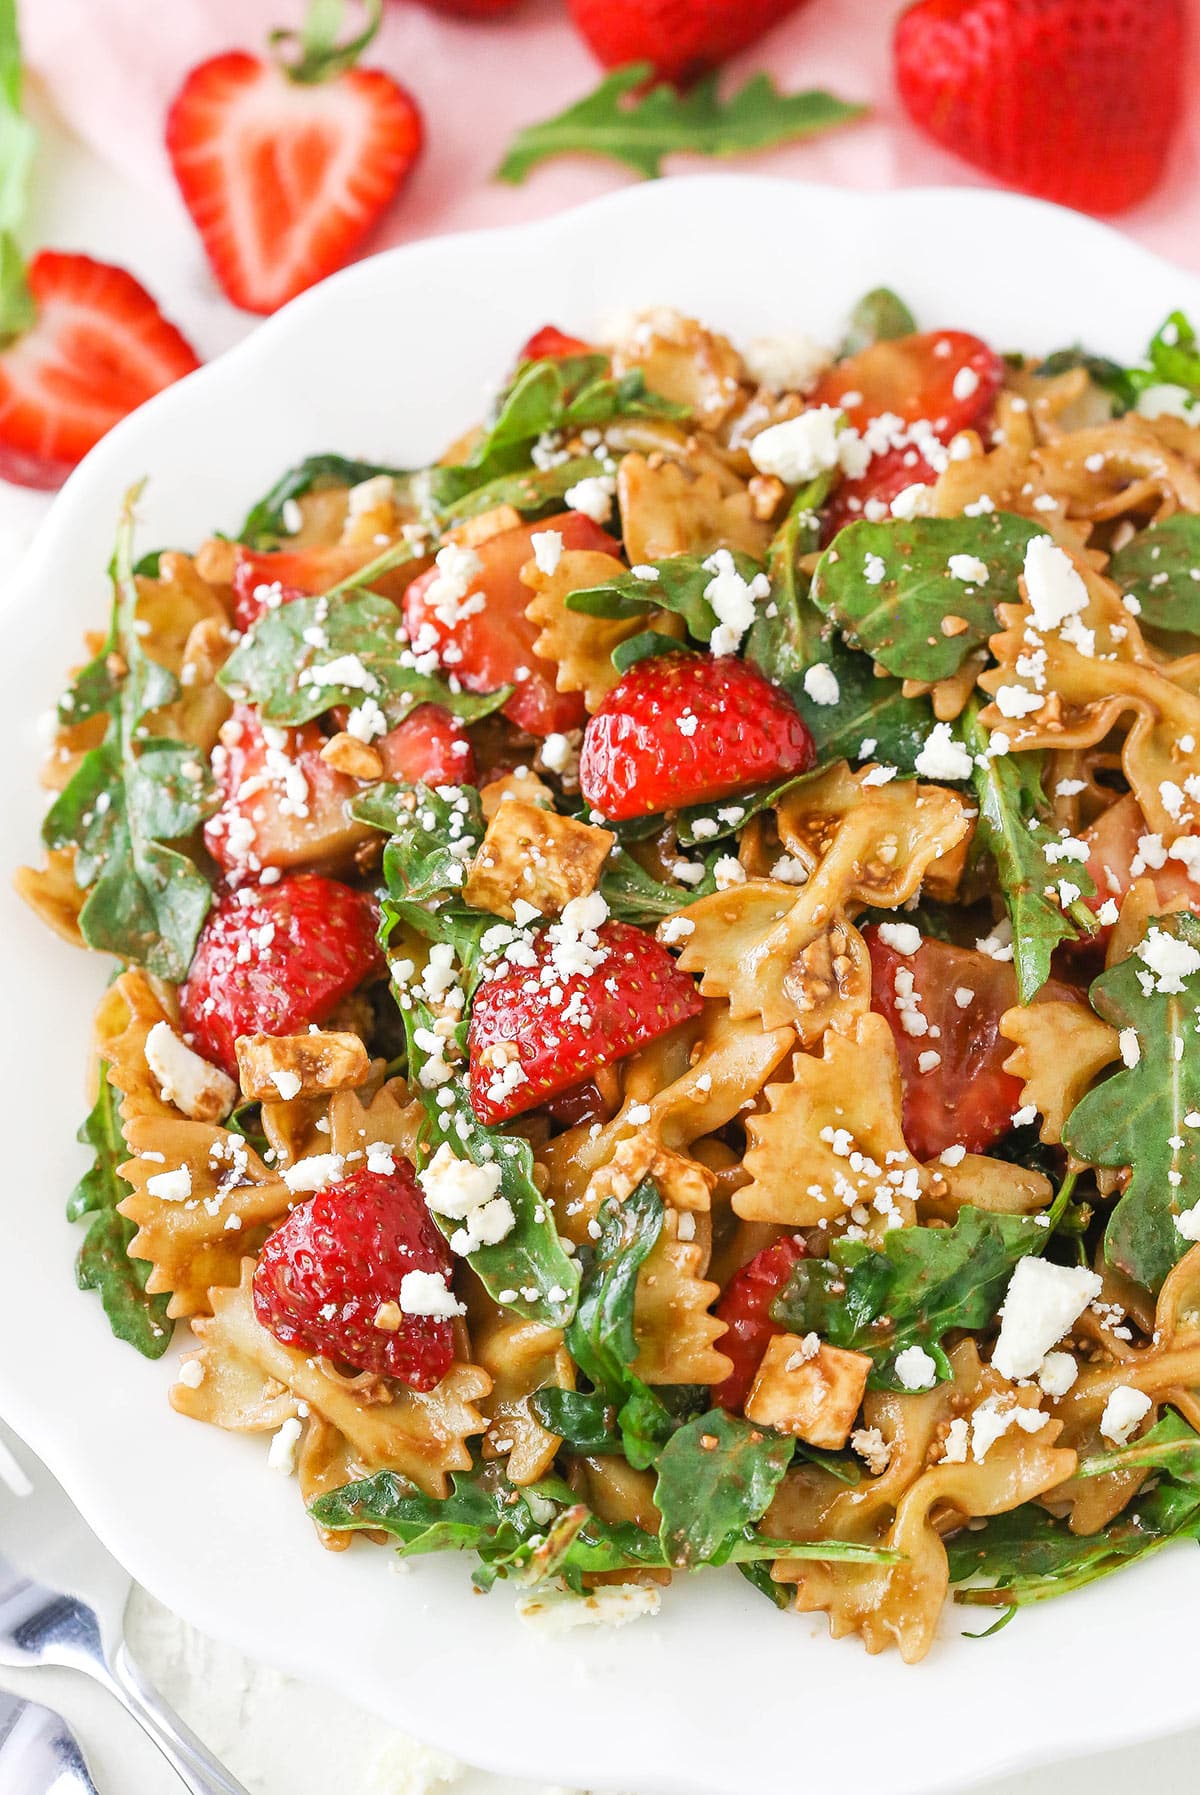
(191, 1760)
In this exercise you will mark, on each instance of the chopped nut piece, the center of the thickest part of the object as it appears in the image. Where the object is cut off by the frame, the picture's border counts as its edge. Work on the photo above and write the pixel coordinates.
(275, 1066)
(954, 625)
(766, 496)
(816, 1397)
(532, 856)
(346, 754)
(388, 1317)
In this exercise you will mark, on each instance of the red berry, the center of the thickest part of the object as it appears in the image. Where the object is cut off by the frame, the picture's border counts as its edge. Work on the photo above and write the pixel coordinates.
(275, 958)
(97, 349)
(326, 1272)
(430, 747)
(282, 805)
(682, 38)
(745, 1307)
(1073, 100)
(552, 343)
(684, 728)
(539, 1030)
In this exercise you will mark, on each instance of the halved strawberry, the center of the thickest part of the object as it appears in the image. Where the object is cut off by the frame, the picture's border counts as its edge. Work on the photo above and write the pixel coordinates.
(886, 478)
(549, 342)
(593, 995)
(683, 729)
(264, 578)
(948, 377)
(1118, 840)
(98, 348)
(745, 1307)
(275, 958)
(429, 748)
(285, 167)
(336, 1279)
(282, 805)
(491, 644)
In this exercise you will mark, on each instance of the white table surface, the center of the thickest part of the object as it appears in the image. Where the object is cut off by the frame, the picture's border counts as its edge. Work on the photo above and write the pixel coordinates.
(279, 1736)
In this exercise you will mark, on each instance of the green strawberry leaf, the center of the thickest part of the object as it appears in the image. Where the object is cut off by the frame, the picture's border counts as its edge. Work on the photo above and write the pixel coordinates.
(1160, 567)
(924, 1282)
(1136, 1118)
(789, 636)
(716, 1476)
(1009, 790)
(277, 669)
(639, 128)
(131, 796)
(879, 316)
(889, 587)
(264, 527)
(103, 1263)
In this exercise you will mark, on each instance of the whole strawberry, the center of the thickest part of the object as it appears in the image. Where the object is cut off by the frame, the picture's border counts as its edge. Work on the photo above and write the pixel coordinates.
(361, 1274)
(682, 729)
(1071, 100)
(681, 38)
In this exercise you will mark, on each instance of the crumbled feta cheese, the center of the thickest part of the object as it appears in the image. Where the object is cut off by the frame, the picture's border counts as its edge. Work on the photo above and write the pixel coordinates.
(593, 496)
(676, 929)
(455, 1187)
(1187, 1223)
(993, 1418)
(874, 570)
(789, 362)
(313, 1173)
(965, 383)
(728, 872)
(942, 757)
(1131, 1047)
(282, 1454)
(1043, 1301)
(914, 501)
(191, 1373)
(953, 1156)
(872, 1448)
(905, 937)
(547, 546)
(1057, 1374)
(287, 1083)
(1015, 701)
(200, 1090)
(1053, 584)
(915, 1368)
(969, 569)
(800, 448)
(733, 600)
(821, 683)
(1124, 1410)
(426, 1293)
(954, 1452)
(171, 1187)
(1169, 959)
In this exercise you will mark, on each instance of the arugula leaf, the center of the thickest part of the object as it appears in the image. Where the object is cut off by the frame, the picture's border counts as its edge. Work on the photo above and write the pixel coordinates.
(1172, 359)
(897, 618)
(103, 1263)
(1110, 376)
(273, 667)
(531, 491)
(790, 635)
(725, 816)
(643, 647)
(680, 586)
(601, 1339)
(1132, 1118)
(640, 129)
(1027, 1555)
(716, 1475)
(130, 796)
(1174, 354)
(879, 316)
(633, 895)
(1171, 1446)
(484, 1512)
(924, 1282)
(582, 1419)
(1009, 790)
(425, 824)
(264, 527)
(1161, 568)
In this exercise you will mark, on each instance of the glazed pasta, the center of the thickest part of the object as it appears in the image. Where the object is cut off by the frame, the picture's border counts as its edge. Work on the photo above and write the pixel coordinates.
(658, 960)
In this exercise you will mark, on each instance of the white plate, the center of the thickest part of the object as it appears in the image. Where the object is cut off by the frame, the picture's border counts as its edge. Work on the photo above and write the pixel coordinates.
(721, 1694)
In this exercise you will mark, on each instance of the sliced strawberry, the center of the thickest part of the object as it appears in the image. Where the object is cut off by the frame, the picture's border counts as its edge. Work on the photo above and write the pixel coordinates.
(492, 645)
(1118, 840)
(965, 1098)
(684, 728)
(552, 343)
(281, 804)
(98, 348)
(886, 478)
(334, 1279)
(944, 376)
(745, 1307)
(541, 1029)
(429, 748)
(285, 170)
(275, 958)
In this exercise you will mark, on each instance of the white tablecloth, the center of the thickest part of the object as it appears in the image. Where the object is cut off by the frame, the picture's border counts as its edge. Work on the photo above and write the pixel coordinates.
(281, 1737)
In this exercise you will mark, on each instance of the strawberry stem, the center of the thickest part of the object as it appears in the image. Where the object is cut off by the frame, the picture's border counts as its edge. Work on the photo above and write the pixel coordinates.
(316, 53)
(16, 160)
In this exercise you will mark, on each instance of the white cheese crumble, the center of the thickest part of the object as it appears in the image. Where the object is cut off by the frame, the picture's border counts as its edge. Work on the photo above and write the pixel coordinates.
(905, 937)
(171, 1187)
(593, 496)
(915, 1368)
(287, 1083)
(467, 1193)
(1124, 1410)
(282, 1454)
(733, 599)
(789, 362)
(801, 448)
(1170, 960)
(426, 1293)
(1043, 1301)
(1058, 1373)
(969, 569)
(184, 1078)
(942, 757)
(313, 1173)
(547, 546)
(821, 683)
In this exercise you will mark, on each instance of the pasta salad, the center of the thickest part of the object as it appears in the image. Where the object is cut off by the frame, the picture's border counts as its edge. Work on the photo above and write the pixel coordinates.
(658, 963)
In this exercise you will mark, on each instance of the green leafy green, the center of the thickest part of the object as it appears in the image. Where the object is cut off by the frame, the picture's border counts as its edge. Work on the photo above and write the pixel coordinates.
(924, 1282)
(132, 795)
(1028, 1555)
(103, 1263)
(1011, 830)
(1110, 376)
(264, 527)
(17, 143)
(889, 587)
(722, 817)
(1170, 1445)
(643, 647)
(1136, 1117)
(531, 491)
(716, 1475)
(633, 895)
(679, 585)
(278, 667)
(483, 1513)
(790, 635)
(582, 1419)
(1160, 567)
(1172, 359)
(639, 127)
(426, 826)
(879, 316)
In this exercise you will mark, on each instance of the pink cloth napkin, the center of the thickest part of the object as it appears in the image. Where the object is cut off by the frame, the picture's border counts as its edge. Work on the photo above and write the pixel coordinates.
(112, 66)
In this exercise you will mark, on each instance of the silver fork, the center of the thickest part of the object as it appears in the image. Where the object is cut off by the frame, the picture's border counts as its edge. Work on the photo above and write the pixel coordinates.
(39, 1754)
(40, 1624)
